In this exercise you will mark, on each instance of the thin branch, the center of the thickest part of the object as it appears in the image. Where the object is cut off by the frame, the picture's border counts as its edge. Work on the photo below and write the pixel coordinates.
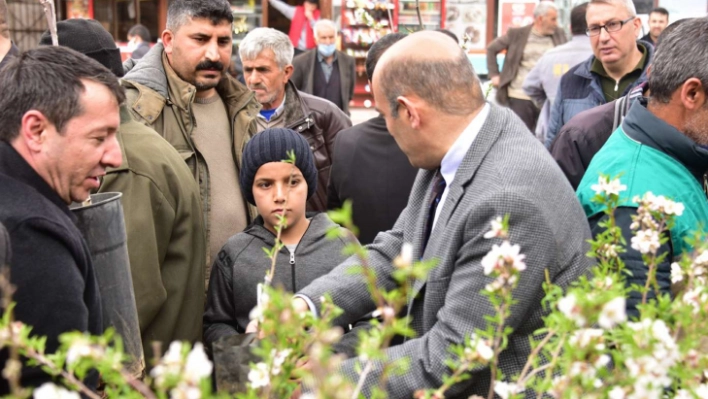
(362, 378)
(535, 353)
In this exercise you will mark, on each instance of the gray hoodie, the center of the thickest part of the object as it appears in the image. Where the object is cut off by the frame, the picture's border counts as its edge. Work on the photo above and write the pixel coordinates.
(242, 264)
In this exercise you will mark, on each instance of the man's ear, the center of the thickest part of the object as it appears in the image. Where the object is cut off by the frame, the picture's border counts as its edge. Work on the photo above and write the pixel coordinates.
(693, 95)
(288, 72)
(167, 37)
(408, 110)
(33, 130)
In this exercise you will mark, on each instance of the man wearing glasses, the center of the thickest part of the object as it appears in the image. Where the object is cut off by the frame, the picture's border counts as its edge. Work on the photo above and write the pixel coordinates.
(618, 64)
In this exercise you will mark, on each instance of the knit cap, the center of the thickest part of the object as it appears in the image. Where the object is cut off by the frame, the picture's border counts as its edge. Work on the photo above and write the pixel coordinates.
(272, 145)
(88, 37)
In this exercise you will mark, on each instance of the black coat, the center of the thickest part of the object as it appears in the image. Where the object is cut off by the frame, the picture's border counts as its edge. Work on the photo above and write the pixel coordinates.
(56, 288)
(370, 169)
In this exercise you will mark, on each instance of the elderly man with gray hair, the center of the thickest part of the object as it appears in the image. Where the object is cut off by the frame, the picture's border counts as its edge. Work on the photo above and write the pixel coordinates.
(7, 48)
(661, 147)
(267, 57)
(325, 71)
(524, 47)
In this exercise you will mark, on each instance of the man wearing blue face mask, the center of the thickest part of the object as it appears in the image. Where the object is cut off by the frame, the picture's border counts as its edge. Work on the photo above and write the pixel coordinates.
(324, 71)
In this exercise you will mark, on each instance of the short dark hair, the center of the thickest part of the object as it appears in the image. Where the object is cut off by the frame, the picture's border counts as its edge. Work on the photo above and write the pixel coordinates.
(449, 33)
(179, 11)
(141, 31)
(4, 25)
(689, 43)
(450, 85)
(49, 79)
(667, 31)
(378, 48)
(315, 2)
(578, 23)
(660, 10)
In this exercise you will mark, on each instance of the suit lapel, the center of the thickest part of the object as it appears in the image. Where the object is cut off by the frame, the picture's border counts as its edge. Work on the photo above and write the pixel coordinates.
(310, 83)
(487, 136)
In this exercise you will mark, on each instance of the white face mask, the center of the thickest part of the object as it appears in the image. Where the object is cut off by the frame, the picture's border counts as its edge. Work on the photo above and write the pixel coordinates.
(132, 45)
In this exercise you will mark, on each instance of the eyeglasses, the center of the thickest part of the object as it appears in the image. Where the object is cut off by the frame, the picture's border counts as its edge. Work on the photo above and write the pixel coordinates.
(612, 26)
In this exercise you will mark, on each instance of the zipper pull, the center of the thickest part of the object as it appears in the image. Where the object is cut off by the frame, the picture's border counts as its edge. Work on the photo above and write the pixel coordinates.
(292, 258)
(617, 84)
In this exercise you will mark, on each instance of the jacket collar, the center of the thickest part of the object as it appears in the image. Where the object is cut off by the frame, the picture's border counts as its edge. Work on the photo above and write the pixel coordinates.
(320, 223)
(14, 166)
(296, 111)
(125, 118)
(644, 127)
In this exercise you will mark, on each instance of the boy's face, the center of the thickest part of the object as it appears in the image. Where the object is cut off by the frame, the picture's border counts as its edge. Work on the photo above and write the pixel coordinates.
(271, 187)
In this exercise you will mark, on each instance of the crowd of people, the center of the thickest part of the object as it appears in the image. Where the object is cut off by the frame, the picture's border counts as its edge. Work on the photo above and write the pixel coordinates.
(198, 158)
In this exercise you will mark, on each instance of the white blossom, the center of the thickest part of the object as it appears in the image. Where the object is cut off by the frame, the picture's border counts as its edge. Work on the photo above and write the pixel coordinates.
(701, 391)
(497, 228)
(79, 349)
(602, 361)
(613, 313)
(407, 253)
(198, 365)
(676, 273)
(701, 259)
(583, 337)
(696, 298)
(606, 187)
(262, 300)
(259, 375)
(616, 393)
(484, 351)
(568, 306)
(646, 241)
(170, 364)
(503, 255)
(506, 389)
(683, 394)
(51, 391)
(185, 391)
(279, 359)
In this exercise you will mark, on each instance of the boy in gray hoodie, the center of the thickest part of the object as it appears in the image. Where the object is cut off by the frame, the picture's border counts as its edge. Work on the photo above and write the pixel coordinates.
(241, 264)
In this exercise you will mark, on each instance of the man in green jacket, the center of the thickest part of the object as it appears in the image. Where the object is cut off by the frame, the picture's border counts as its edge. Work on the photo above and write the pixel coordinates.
(181, 90)
(661, 147)
(163, 220)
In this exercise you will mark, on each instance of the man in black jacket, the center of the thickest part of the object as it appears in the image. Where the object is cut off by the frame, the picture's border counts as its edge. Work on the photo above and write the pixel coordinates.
(369, 168)
(57, 137)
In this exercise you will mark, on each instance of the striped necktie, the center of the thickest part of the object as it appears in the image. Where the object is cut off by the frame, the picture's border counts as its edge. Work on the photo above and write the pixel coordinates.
(438, 189)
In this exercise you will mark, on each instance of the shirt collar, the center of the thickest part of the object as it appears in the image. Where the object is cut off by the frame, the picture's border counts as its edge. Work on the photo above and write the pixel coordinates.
(452, 160)
(278, 111)
(320, 58)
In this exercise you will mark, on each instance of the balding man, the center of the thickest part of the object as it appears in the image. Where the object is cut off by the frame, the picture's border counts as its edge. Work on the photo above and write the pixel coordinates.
(7, 49)
(479, 163)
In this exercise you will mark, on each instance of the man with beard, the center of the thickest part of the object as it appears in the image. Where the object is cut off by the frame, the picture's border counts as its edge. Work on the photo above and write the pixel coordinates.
(660, 147)
(267, 57)
(181, 90)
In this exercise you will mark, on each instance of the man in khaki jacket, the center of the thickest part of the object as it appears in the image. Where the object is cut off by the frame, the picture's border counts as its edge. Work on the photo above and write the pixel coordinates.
(181, 90)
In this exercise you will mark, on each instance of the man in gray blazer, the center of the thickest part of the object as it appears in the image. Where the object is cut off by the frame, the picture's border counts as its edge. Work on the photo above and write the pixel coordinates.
(324, 71)
(435, 109)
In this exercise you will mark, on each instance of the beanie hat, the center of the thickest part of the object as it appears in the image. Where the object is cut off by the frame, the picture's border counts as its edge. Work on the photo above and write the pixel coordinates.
(88, 37)
(272, 145)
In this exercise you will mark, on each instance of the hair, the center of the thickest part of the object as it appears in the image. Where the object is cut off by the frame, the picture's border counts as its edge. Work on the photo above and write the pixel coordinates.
(449, 33)
(450, 85)
(627, 4)
(660, 10)
(543, 7)
(49, 79)
(260, 39)
(687, 42)
(315, 2)
(141, 31)
(4, 25)
(578, 23)
(324, 22)
(377, 49)
(179, 12)
(670, 28)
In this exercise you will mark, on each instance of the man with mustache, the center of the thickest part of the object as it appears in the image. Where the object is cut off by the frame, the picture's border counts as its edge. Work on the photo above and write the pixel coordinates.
(180, 89)
(267, 57)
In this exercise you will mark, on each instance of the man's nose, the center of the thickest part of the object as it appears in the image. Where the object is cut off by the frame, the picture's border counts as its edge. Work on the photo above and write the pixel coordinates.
(212, 51)
(280, 193)
(112, 157)
(604, 34)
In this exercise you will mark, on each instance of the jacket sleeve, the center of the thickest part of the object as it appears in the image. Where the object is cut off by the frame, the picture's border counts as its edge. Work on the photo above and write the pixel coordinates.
(352, 84)
(533, 84)
(494, 48)
(336, 122)
(633, 260)
(286, 9)
(556, 122)
(219, 312)
(564, 150)
(298, 76)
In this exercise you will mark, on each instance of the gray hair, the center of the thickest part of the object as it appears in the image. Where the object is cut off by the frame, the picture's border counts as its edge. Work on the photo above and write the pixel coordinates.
(683, 43)
(627, 4)
(324, 22)
(542, 8)
(260, 39)
(450, 86)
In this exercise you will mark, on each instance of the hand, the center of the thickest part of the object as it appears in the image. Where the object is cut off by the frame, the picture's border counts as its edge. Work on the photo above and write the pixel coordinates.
(495, 81)
(308, 14)
(300, 305)
(252, 327)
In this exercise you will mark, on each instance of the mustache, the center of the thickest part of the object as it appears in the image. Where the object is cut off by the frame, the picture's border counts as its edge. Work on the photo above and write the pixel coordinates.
(210, 65)
(257, 86)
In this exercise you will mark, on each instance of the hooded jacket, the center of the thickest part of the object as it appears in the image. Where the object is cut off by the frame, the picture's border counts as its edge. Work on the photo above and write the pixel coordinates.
(241, 266)
(158, 98)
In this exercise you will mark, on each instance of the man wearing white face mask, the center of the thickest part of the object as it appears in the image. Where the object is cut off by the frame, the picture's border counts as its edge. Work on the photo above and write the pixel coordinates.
(324, 71)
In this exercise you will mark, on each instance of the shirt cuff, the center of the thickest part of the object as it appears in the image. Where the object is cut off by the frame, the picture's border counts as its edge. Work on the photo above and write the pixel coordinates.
(310, 304)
